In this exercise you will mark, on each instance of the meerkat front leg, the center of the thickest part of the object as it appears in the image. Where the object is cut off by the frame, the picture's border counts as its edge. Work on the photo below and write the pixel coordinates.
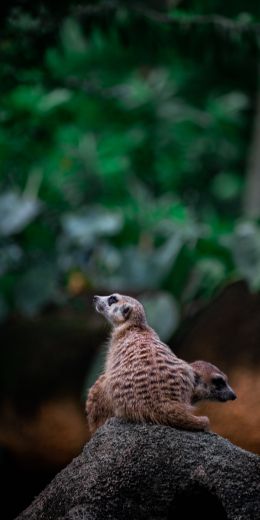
(98, 405)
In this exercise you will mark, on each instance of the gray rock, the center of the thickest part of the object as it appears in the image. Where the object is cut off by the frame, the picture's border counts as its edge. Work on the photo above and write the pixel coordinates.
(140, 472)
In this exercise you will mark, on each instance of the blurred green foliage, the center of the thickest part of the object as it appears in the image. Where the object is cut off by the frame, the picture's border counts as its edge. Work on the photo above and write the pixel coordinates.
(123, 148)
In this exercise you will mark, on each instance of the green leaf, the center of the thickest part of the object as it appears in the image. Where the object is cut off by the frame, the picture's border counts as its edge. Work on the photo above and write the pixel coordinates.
(226, 186)
(16, 212)
(90, 224)
(72, 38)
(54, 99)
(26, 97)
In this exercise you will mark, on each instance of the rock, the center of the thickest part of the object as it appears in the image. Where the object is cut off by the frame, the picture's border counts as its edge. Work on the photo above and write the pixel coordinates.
(149, 472)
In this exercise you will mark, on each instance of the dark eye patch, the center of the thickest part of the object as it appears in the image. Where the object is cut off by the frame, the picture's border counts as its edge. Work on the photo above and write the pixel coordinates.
(111, 300)
(218, 382)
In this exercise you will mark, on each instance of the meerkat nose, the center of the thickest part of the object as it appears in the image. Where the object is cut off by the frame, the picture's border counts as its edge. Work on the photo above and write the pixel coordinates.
(232, 396)
(95, 298)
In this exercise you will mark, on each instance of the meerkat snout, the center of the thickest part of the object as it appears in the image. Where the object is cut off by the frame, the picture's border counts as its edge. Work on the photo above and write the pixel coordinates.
(221, 389)
(232, 396)
(99, 303)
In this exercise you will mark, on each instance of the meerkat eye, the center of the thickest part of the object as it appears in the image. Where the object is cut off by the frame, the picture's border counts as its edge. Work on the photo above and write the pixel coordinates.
(218, 381)
(111, 300)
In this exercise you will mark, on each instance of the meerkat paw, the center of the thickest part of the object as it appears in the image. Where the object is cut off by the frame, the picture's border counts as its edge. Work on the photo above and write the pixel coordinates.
(203, 423)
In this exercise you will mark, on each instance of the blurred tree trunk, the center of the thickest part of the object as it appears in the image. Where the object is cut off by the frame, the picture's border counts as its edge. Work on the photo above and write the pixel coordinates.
(252, 188)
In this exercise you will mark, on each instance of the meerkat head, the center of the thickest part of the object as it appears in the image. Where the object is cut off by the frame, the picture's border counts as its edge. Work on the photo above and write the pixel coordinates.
(210, 383)
(119, 309)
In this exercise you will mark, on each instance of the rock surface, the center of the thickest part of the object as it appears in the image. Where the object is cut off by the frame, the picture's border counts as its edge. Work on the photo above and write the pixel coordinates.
(148, 472)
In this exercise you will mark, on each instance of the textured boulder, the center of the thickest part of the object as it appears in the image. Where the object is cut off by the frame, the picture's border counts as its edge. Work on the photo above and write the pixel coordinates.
(138, 472)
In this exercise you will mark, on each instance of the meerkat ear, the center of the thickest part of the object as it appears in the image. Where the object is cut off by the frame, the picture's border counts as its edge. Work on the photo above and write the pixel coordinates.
(126, 310)
(197, 372)
(197, 378)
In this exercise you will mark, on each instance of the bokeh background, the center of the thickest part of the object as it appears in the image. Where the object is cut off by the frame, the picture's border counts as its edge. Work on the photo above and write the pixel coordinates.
(130, 162)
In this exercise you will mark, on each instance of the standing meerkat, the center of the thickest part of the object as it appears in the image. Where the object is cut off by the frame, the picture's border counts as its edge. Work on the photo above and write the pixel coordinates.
(143, 380)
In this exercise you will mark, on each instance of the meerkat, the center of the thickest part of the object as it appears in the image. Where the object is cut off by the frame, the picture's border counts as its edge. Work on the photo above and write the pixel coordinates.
(143, 380)
(210, 383)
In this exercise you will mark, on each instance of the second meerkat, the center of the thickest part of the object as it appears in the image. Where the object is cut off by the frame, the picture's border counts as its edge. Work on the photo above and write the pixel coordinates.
(144, 381)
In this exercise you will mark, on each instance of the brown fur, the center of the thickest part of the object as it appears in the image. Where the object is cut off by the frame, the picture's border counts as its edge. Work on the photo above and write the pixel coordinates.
(143, 380)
